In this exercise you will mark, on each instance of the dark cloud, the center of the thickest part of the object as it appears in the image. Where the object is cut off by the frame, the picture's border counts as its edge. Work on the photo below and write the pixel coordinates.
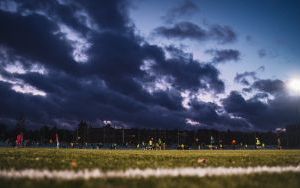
(275, 113)
(258, 96)
(212, 115)
(71, 98)
(222, 33)
(109, 14)
(192, 75)
(82, 60)
(187, 73)
(80, 14)
(221, 56)
(178, 52)
(170, 100)
(235, 103)
(204, 112)
(48, 49)
(262, 85)
(191, 31)
(52, 10)
(182, 30)
(243, 77)
(109, 85)
(185, 8)
(16, 104)
(269, 86)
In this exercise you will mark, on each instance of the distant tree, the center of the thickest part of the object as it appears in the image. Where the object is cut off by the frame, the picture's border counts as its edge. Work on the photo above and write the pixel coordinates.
(45, 134)
(3, 131)
(82, 132)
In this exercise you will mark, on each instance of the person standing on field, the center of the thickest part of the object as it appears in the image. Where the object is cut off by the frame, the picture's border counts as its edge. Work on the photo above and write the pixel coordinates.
(233, 143)
(257, 143)
(57, 140)
(151, 143)
(19, 140)
(278, 143)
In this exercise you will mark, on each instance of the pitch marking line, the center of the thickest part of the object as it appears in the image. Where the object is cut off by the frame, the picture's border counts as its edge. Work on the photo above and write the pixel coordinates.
(142, 173)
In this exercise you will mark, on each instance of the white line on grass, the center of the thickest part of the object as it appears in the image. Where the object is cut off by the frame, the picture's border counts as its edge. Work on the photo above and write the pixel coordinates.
(142, 173)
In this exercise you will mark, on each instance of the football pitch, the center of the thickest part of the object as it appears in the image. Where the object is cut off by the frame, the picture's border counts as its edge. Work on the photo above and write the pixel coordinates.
(39, 167)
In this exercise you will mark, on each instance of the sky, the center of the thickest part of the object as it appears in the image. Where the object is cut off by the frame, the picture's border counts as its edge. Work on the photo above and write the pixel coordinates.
(150, 64)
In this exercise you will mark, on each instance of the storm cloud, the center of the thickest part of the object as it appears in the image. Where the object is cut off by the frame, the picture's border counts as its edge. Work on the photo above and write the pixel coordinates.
(221, 56)
(110, 82)
(188, 30)
(263, 115)
(65, 61)
(244, 77)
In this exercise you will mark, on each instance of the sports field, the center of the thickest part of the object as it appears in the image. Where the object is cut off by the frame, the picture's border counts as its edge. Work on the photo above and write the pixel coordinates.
(169, 168)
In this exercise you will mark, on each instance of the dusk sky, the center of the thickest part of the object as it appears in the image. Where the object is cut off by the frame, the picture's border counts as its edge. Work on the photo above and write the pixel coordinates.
(230, 64)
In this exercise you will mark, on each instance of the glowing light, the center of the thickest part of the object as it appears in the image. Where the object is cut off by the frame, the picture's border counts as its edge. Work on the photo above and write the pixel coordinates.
(294, 85)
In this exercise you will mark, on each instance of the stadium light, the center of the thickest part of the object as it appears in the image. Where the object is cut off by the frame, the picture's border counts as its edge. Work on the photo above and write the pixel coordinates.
(294, 85)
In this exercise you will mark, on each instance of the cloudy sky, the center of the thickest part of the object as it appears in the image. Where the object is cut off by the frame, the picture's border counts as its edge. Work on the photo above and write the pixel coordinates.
(149, 63)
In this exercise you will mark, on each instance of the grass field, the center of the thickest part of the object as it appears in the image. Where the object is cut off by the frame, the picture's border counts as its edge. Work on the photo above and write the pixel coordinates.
(76, 159)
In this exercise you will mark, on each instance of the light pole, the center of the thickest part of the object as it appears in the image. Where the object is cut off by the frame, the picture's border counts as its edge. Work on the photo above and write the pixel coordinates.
(123, 136)
(294, 86)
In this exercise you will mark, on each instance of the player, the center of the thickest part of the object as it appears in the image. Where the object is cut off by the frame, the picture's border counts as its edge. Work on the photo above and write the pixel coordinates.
(257, 143)
(151, 143)
(19, 140)
(212, 142)
(279, 143)
(57, 140)
(159, 144)
(233, 143)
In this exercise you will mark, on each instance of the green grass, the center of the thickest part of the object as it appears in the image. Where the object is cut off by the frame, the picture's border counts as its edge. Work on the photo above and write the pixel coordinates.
(122, 159)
